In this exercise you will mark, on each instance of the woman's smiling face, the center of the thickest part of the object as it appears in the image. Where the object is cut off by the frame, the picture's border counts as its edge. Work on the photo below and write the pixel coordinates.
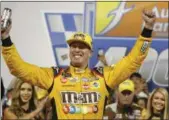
(158, 102)
(25, 92)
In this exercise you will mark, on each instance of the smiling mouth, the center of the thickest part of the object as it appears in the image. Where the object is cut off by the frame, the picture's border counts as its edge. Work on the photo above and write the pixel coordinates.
(159, 105)
(77, 56)
(25, 98)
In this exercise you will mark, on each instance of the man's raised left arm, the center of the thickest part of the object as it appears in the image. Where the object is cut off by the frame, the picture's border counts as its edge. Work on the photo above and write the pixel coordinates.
(129, 64)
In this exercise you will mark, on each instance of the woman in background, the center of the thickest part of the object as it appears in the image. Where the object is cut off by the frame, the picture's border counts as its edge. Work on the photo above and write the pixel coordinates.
(24, 103)
(158, 105)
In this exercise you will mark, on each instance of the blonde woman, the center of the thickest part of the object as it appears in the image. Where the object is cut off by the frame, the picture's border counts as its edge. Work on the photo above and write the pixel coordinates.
(24, 103)
(158, 105)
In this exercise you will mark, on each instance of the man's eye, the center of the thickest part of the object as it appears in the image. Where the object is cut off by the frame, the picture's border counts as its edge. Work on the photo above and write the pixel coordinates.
(22, 89)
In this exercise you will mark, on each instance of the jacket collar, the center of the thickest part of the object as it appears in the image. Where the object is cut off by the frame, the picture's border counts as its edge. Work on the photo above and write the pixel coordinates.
(77, 70)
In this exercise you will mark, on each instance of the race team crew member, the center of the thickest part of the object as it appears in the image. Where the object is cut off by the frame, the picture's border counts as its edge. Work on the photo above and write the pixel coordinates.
(124, 108)
(77, 91)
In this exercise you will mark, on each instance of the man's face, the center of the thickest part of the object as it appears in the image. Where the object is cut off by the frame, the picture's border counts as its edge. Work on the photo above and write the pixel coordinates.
(125, 97)
(141, 103)
(136, 81)
(79, 54)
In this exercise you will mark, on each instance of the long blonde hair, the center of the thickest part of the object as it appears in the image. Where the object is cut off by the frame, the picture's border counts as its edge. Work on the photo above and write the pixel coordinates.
(16, 102)
(149, 105)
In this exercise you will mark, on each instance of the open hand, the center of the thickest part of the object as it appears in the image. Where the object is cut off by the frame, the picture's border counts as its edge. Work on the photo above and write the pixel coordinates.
(41, 103)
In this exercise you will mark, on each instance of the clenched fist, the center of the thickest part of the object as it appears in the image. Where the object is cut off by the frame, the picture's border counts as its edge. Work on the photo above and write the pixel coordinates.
(149, 19)
(5, 33)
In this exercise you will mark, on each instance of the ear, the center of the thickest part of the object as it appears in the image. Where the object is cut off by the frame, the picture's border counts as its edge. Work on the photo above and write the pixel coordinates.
(91, 53)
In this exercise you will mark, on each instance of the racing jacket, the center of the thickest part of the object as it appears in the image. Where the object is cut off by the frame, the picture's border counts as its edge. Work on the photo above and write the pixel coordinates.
(77, 93)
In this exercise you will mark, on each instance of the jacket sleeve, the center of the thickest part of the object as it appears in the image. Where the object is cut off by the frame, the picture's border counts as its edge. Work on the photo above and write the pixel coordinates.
(42, 77)
(114, 75)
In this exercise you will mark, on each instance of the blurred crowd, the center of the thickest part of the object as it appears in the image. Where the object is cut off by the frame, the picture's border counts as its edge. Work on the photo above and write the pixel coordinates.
(131, 99)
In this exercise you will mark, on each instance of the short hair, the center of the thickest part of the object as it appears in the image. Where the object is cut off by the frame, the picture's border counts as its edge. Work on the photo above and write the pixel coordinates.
(135, 74)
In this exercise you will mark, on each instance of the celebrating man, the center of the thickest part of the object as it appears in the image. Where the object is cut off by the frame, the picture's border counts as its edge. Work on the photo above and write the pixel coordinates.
(77, 91)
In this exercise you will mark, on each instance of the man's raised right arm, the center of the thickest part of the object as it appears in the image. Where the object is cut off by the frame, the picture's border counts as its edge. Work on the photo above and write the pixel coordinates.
(42, 77)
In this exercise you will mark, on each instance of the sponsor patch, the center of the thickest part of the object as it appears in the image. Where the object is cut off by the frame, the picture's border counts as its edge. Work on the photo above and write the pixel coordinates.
(68, 85)
(95, 109)
(98, 70)
(64, 74)
(84, 79)
(78, 110)
(93, 79)
(74, 79)
(72, 97)
(144, 47)
(63, 80)
(72, 109)
(66, 109)
(86, 86)
(95, 85)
